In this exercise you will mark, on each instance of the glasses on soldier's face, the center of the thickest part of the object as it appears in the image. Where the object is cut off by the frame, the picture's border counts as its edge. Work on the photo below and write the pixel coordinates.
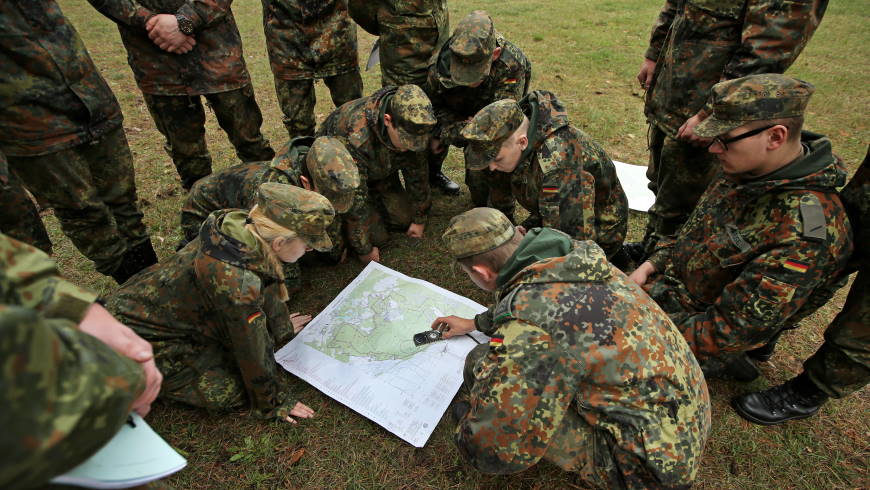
(724, 141)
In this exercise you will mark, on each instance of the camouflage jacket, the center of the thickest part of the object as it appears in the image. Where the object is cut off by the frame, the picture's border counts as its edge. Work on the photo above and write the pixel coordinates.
(216, 64)
(575, 344)
(359, 124)
(64, 393)
(698, 43)
(753, 253)
(566, 180)
(219, 290)
(236, 186)
(454, 105)
(52, 97)
(856, 198)
(309, 38)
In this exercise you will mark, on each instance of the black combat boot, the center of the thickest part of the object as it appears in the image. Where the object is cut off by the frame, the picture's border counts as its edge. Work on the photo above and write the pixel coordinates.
(736, 368)
(135, 259)
(797, 398)
(440, 181)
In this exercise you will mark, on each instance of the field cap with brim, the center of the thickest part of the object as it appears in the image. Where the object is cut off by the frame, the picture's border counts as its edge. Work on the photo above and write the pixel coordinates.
(471, 48)
(306, 213)
(413, 116)
(477, 231)
(489, 128)
(333, 171)
(754, 98)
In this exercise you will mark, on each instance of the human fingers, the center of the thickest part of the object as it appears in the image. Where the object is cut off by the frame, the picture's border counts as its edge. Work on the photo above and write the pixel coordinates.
(290, 419)
(302, 410)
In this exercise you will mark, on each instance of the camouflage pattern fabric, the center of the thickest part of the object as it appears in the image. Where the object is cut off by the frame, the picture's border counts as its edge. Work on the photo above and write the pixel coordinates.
(477, 231)
(41, 58)
(359, 124)
(216, 64)
(410, 32)
(19, 218)
(751, 259)
(181, 120)
(842, 364)
(563, 381)
(697, 43)
(306, 213)
(297, 99)
(48, 362)
(214, 315)
(93, 193)
(564, 178)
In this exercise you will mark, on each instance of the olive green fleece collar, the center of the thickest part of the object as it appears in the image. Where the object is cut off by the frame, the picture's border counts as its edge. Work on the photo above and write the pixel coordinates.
(537, 245)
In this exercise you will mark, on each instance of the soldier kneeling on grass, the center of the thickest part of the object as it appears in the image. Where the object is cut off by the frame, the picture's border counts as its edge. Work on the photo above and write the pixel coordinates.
(583, 369)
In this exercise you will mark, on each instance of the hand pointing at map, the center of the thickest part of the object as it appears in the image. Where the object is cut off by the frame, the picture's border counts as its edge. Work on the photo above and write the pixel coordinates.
(455, 325)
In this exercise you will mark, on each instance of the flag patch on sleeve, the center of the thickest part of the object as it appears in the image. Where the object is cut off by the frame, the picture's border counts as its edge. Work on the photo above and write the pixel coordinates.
(549, 189)
(794, 265)
(254, 316)
(495, 341)
(511, 80)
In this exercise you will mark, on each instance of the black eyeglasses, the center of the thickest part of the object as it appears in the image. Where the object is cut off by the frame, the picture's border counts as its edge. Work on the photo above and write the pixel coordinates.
(724, 142)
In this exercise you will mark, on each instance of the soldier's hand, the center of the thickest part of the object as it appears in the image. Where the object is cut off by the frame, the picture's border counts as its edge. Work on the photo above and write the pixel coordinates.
(645, 75)
(375, 255)
(435, 145)
(455, 325)
(642, 273)
(102, 325)
(153, 380)
(299, 321)
(300, 410)
(163, 31)
(415, 230)
(687, 131)
(522, 230)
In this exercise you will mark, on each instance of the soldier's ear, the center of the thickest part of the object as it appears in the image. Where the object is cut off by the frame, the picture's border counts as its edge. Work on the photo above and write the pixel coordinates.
(496, 53)
(388, 120)
(277, 244)
(306, 184)
(523, 141)
(485, 272)
(777, 136)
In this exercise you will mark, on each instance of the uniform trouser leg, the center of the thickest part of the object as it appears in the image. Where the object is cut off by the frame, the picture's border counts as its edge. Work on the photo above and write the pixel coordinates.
(842, 364)
(297, 100)
(392, 203)
(491, 189)
(19, 217)
(201, 376)
(678, 173)
(181, 120)
(406, 44)
(344, 87)
(93, 193)
(239, 116)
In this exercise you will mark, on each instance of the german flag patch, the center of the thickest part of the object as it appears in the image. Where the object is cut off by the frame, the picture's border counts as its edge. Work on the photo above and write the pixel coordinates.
(794, 265)
(550, 189)
(511, 80)
(254, 316)
(495, 341)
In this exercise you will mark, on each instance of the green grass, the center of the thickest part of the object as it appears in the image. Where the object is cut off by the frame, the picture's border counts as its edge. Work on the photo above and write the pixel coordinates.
(587, 52)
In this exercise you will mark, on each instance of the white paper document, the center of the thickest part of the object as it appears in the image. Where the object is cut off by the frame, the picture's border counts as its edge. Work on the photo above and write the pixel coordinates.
(634, 183)
(359, 351)
(136, 455)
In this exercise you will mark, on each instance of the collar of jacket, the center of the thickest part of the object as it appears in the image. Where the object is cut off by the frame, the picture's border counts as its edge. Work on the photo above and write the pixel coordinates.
(223, 237)
(375, 109)
(546, 115)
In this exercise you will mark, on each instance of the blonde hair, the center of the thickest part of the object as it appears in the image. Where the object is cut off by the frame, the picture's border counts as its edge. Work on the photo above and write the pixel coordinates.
(267, 231)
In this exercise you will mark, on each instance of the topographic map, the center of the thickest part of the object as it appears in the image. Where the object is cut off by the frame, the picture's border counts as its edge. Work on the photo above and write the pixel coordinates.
(359, 351)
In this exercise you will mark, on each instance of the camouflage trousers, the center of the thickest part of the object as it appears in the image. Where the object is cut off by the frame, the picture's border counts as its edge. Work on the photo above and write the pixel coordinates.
(181, 120)
(591, 454)
(203, 376)
(19, 217)
(407, 42)
(391, 208)
(678, 174)
(93, 193)
(487, 188)
(842, 364)
(297, 99)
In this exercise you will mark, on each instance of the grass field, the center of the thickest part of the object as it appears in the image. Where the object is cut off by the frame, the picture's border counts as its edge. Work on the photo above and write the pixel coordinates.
(587, 52)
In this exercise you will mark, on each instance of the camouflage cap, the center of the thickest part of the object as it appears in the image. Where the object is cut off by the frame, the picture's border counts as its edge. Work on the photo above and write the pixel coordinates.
(334, 172)
(413, 116)
(754, 98)
(471, 48)
(489, 128)
(306, 213)
(477, 231)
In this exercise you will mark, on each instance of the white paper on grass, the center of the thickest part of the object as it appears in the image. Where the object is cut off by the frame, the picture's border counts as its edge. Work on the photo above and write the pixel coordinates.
(136, 455)
(359, 351)
(634, 183)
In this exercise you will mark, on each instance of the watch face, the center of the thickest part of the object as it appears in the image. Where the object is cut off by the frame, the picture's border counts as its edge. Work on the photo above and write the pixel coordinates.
(185, 25)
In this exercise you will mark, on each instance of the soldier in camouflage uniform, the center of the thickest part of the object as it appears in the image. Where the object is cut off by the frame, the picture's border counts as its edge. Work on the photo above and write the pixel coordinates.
(557, 172)
(18, 215)
(695, 44)
(475, 67)
(769, 239)
(215, 311)
(583, 369)
(383, 132)
(322, 165)
(173, 81)
(61, 132)
(307, 40)
(842, 364)
(65, 391)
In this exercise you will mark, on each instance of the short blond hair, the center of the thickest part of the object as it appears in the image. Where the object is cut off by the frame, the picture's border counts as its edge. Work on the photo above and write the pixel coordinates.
(267, 231)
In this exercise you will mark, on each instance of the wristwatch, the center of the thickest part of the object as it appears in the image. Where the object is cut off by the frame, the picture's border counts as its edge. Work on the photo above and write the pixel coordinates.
(185, 25)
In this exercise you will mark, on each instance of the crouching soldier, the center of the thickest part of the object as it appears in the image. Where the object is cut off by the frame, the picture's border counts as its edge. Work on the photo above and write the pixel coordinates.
(583, 369)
